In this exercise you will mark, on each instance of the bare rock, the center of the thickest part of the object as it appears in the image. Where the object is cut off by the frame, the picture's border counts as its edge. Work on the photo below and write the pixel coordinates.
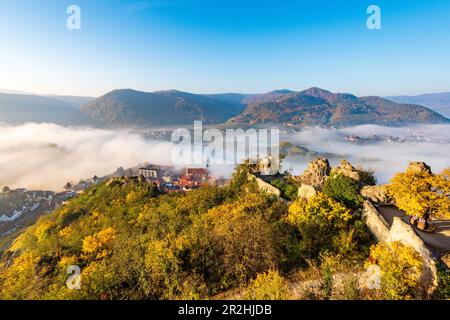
(376, 194)
(316, 174)
(306, 192)
(446, 260)
(418, 167)
(346, 169)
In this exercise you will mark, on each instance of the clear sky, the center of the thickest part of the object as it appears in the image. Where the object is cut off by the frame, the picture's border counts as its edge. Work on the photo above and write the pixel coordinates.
(225, 46)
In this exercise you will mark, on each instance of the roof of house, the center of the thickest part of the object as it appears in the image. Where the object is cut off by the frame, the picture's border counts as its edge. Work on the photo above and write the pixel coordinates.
(150, 168)
(196, 171)
(157, 167)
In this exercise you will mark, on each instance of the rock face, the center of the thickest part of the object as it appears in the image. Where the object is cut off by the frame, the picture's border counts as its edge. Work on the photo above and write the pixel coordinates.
(418, 167)
(306, 192)
(346, 169)
(376, 194)
(316, 174)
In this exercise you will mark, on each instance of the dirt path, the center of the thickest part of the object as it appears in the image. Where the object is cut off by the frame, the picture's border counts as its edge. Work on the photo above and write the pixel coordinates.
(439, 241)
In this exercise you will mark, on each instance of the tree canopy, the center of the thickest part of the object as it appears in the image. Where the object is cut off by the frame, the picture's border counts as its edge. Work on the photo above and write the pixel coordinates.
(422, 194)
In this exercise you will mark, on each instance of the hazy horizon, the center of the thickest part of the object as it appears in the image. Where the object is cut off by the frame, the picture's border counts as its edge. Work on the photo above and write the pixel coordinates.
(49, 93)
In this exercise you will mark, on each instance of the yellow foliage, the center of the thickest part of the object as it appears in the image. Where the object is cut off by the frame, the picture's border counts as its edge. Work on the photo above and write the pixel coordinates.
(16, 280)
(318, 207)
(132, 196)
(421, 194)
(43, 229)
(97, 245)
(401, 268)
(66, 232)
(268, 286)
(68, 261)
(23, 241)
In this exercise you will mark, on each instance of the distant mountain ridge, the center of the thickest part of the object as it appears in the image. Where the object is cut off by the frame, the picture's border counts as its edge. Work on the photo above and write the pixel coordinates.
(75, 101)
(20, 108)
(131, 108)
(439, 102)
(316, 106)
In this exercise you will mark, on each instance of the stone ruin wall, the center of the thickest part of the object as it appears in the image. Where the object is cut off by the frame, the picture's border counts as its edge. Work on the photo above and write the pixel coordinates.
(404, 233)
(264, 186)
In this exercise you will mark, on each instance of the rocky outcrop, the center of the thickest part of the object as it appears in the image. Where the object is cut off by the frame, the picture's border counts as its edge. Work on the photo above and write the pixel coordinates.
(418, 167)
(346, 169)
(316, 174)
(376, 194)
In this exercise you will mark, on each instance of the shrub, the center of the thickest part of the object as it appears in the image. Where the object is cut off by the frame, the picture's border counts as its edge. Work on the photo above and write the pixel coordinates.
(345, 190)
(229, 246)
(288, 190)
(367, 177)
(268, 286)
(319, 221)
(400, 270)
(443, 290)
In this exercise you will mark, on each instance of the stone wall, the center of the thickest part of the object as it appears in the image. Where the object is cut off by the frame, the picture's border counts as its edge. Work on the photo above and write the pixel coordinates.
(264, 186)
(404, 233)
(376, 223)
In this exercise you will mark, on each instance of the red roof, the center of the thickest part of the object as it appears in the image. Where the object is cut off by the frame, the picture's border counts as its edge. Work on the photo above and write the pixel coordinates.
(196, 171)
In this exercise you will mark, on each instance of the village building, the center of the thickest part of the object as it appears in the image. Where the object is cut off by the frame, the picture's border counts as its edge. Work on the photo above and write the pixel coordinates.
(200, 174)
(193, 178)
(149, 172)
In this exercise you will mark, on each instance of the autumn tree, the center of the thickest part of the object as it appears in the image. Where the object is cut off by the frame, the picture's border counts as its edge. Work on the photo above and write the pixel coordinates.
(421, 193)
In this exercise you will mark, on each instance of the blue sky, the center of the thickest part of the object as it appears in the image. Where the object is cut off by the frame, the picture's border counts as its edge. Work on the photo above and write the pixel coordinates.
(225, 46)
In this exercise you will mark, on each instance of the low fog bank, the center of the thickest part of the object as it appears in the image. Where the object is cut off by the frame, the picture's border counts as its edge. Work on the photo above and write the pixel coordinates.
(46, 156)
(428, 143)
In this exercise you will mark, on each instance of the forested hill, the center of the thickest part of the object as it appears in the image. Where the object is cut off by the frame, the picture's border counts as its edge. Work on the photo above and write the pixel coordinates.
(130, 242)
(320, 107)
(124, 108)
